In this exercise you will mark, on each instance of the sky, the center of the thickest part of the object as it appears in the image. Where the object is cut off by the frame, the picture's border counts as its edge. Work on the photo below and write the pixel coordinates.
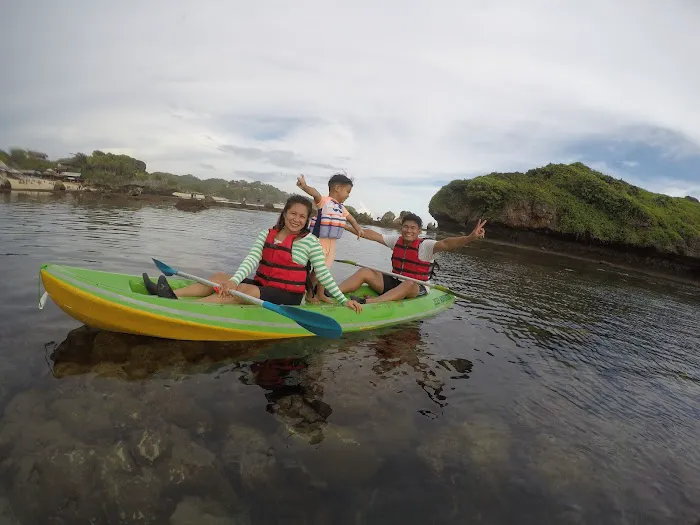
(403, 96)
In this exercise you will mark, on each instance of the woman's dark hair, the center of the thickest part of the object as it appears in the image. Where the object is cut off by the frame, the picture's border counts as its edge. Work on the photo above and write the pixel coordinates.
(412, 217)
(291, 201)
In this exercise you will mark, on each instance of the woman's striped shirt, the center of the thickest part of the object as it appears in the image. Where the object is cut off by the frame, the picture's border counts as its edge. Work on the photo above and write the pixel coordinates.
(303, 251)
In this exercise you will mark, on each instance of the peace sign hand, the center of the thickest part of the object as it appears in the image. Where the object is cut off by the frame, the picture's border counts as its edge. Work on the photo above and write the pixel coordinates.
(478, 232)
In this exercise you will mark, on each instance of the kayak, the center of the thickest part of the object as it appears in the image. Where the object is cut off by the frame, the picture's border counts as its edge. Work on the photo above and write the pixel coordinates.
(120, 303)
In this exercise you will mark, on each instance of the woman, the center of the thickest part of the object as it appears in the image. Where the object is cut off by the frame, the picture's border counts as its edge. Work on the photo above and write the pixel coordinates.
(283, 254)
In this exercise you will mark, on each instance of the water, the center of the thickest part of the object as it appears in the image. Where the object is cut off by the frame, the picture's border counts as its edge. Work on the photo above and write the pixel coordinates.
(564, 392)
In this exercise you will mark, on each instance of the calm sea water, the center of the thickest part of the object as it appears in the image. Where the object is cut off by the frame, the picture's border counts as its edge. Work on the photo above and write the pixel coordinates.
(563, 392)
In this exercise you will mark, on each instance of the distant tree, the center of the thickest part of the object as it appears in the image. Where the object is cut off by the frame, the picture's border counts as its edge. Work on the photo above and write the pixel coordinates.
(37, 154)
(387, 218)
(364, 218)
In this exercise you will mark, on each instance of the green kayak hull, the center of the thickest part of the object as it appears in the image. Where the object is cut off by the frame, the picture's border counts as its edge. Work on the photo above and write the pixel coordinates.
(120, 303)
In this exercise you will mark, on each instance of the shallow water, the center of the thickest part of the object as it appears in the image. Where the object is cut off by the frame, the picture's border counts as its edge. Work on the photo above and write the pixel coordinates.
(563, 392)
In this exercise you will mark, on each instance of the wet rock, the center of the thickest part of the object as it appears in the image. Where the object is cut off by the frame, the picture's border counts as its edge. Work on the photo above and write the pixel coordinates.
(479, 446)
(82, 416)
(445, 448)
(180, 463)
(67, 369)
(59, 186)
(19, 438)
(561, 465)
(247, 453)
(109, 370)
(128, 411)
(188, 461)
(489, 442)
(132, 494)
(303, 417)
(152, 358)
(148, 445)
(7, 515)
(57, 485)
(199, 511)
(295, 406)
(110, 347)
(193, 205)
(76, 347)
(118, 460)
(341, 460)
(134, 498)
(29, 403)
(176, 406)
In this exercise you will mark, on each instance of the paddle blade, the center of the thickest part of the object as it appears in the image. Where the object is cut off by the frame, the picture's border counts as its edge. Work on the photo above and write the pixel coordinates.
(314, 322)
(167, 270)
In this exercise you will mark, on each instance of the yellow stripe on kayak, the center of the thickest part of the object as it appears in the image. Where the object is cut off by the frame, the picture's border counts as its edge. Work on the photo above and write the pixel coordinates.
(97, 312)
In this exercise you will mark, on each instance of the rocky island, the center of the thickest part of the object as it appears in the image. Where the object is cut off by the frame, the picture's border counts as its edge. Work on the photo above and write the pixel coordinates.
(574, 209)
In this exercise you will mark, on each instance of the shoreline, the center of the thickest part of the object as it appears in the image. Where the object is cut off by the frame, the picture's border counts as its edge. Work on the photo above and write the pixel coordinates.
(596, 255)
(37, 184)
(595, 260)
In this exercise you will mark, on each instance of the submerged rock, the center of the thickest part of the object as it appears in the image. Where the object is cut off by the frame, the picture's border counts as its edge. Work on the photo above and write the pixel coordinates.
(57, 484)
(204, 511)
(341, 460)
(193, 205)
(148, 446)
(133, 494)
(110, 346)
(247, 453)
(7, 515)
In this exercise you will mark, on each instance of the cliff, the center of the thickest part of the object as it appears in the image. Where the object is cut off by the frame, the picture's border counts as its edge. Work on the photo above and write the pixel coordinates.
(573, 208)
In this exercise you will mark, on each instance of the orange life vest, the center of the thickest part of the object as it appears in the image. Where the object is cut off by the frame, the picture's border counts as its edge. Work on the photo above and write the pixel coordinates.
(405, 261)
(277, 269)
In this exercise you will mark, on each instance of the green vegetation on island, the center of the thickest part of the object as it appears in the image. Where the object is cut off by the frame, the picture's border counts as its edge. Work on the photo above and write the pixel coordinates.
(115, 172)
(574, 201)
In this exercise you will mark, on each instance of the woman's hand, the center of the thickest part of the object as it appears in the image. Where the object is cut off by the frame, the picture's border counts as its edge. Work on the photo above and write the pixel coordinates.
(225, 287)
(354, 305)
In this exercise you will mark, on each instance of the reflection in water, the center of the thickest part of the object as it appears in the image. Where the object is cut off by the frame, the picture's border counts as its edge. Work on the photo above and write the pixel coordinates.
(294, 393)
(403, 346)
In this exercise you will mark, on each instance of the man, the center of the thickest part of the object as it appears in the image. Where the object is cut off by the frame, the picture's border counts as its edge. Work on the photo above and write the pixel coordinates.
(411, 256)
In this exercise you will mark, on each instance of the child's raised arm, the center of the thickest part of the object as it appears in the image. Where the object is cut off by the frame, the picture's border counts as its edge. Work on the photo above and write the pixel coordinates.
(310, 190)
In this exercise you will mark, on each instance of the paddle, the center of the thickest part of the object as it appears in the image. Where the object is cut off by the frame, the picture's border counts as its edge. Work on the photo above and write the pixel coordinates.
(314, 322)
(404, 278)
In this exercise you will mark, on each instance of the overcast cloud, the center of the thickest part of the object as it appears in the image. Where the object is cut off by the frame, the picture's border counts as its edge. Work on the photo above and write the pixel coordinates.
(403, 96)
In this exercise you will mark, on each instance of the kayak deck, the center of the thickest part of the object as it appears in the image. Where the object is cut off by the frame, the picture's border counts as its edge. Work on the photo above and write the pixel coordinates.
(120, 303)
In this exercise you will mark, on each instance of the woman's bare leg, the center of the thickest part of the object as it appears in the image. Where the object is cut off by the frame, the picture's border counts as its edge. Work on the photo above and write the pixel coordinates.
(248, 289)
(202, 290)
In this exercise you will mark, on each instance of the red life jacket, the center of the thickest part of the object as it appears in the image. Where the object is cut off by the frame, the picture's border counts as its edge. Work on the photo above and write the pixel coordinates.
(277, 269)
(405, 261)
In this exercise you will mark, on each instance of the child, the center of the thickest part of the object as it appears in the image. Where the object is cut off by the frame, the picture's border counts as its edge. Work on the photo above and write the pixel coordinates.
(330, 221)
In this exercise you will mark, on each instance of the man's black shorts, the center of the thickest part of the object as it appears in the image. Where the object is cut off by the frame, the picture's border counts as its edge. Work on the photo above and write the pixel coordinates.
(391, 282)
